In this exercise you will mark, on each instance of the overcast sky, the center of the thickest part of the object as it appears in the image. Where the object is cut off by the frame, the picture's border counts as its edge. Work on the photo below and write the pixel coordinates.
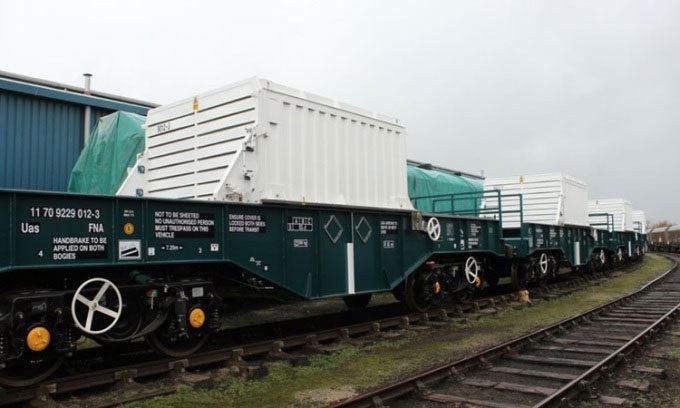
(588, 88)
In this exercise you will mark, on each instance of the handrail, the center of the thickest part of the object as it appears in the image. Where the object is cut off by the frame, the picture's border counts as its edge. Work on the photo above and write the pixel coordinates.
(478, 199)
(479, 207)
(609, 223)
(637, 226)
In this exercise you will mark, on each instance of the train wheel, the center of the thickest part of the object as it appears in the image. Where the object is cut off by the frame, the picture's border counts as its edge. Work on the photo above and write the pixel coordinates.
(520, 275)
(554, 267)
(129, 323)
(32, 367)
(620, 258)
(169, 340)
(399, 292)
(591, 266)
(26, 372)
(173, 346)
(357, 302)
(491, 279)
(466, 295)
(421, 290)
(603, 261)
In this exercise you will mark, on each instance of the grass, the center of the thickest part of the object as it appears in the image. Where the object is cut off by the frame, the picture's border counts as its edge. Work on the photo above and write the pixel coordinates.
(666, 394)
(360, 368)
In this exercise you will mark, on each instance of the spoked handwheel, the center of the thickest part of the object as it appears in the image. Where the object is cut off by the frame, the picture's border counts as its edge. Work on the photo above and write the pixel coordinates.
(542, 270)
(467, 293)
(422, 288)
(96, 306)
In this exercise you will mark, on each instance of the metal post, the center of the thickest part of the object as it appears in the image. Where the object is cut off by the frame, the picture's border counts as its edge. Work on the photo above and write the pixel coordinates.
(500, 212)
(88, 111)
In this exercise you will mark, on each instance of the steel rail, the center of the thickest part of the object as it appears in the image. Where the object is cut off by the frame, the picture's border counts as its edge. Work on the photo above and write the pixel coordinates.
(233, 354)
(420, 381)
(574, 387)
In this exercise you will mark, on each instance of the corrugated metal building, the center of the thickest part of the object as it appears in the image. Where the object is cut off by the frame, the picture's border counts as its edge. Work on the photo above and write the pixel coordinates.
(43, 128)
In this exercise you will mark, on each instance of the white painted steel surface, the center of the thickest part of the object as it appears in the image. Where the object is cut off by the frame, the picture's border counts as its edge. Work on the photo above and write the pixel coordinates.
(257, 141)
(639, 216)
(350, 268)
(550, 198)
(620, 208)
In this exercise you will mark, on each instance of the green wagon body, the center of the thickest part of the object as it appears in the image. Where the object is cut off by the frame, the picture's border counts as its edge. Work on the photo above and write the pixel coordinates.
(568, 243)
(618, 243)
(572, 243)
(312, 252)
(164, 259)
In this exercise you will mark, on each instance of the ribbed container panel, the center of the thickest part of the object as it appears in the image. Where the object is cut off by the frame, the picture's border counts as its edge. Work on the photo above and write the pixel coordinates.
(40, 140)
(257, 141)
(551, 198)
(620, 208)
(639, 221)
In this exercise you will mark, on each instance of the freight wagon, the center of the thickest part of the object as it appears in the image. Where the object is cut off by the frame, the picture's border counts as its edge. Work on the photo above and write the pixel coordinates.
(254, 185)
(120, 268)
(665, 239)
(620, 245)
(553, 229)
(116, 268)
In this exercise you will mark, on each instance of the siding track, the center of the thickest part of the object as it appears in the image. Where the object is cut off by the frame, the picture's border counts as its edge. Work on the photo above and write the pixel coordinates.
(544, 368)
(96, 370)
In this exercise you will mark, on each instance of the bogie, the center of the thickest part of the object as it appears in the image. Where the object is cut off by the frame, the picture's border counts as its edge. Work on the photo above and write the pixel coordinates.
(130, 266)
(451, 280)
(39, 328)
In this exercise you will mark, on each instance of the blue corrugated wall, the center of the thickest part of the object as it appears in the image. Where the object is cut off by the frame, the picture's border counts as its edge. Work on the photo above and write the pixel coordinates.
(40, 140)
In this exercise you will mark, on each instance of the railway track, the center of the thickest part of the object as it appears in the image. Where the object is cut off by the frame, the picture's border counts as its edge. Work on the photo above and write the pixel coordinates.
(94, 369)
(544, 368)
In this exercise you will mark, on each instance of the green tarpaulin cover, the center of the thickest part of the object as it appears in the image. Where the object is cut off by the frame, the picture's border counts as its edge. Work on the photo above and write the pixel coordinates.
(111, 150)
(427, 183)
